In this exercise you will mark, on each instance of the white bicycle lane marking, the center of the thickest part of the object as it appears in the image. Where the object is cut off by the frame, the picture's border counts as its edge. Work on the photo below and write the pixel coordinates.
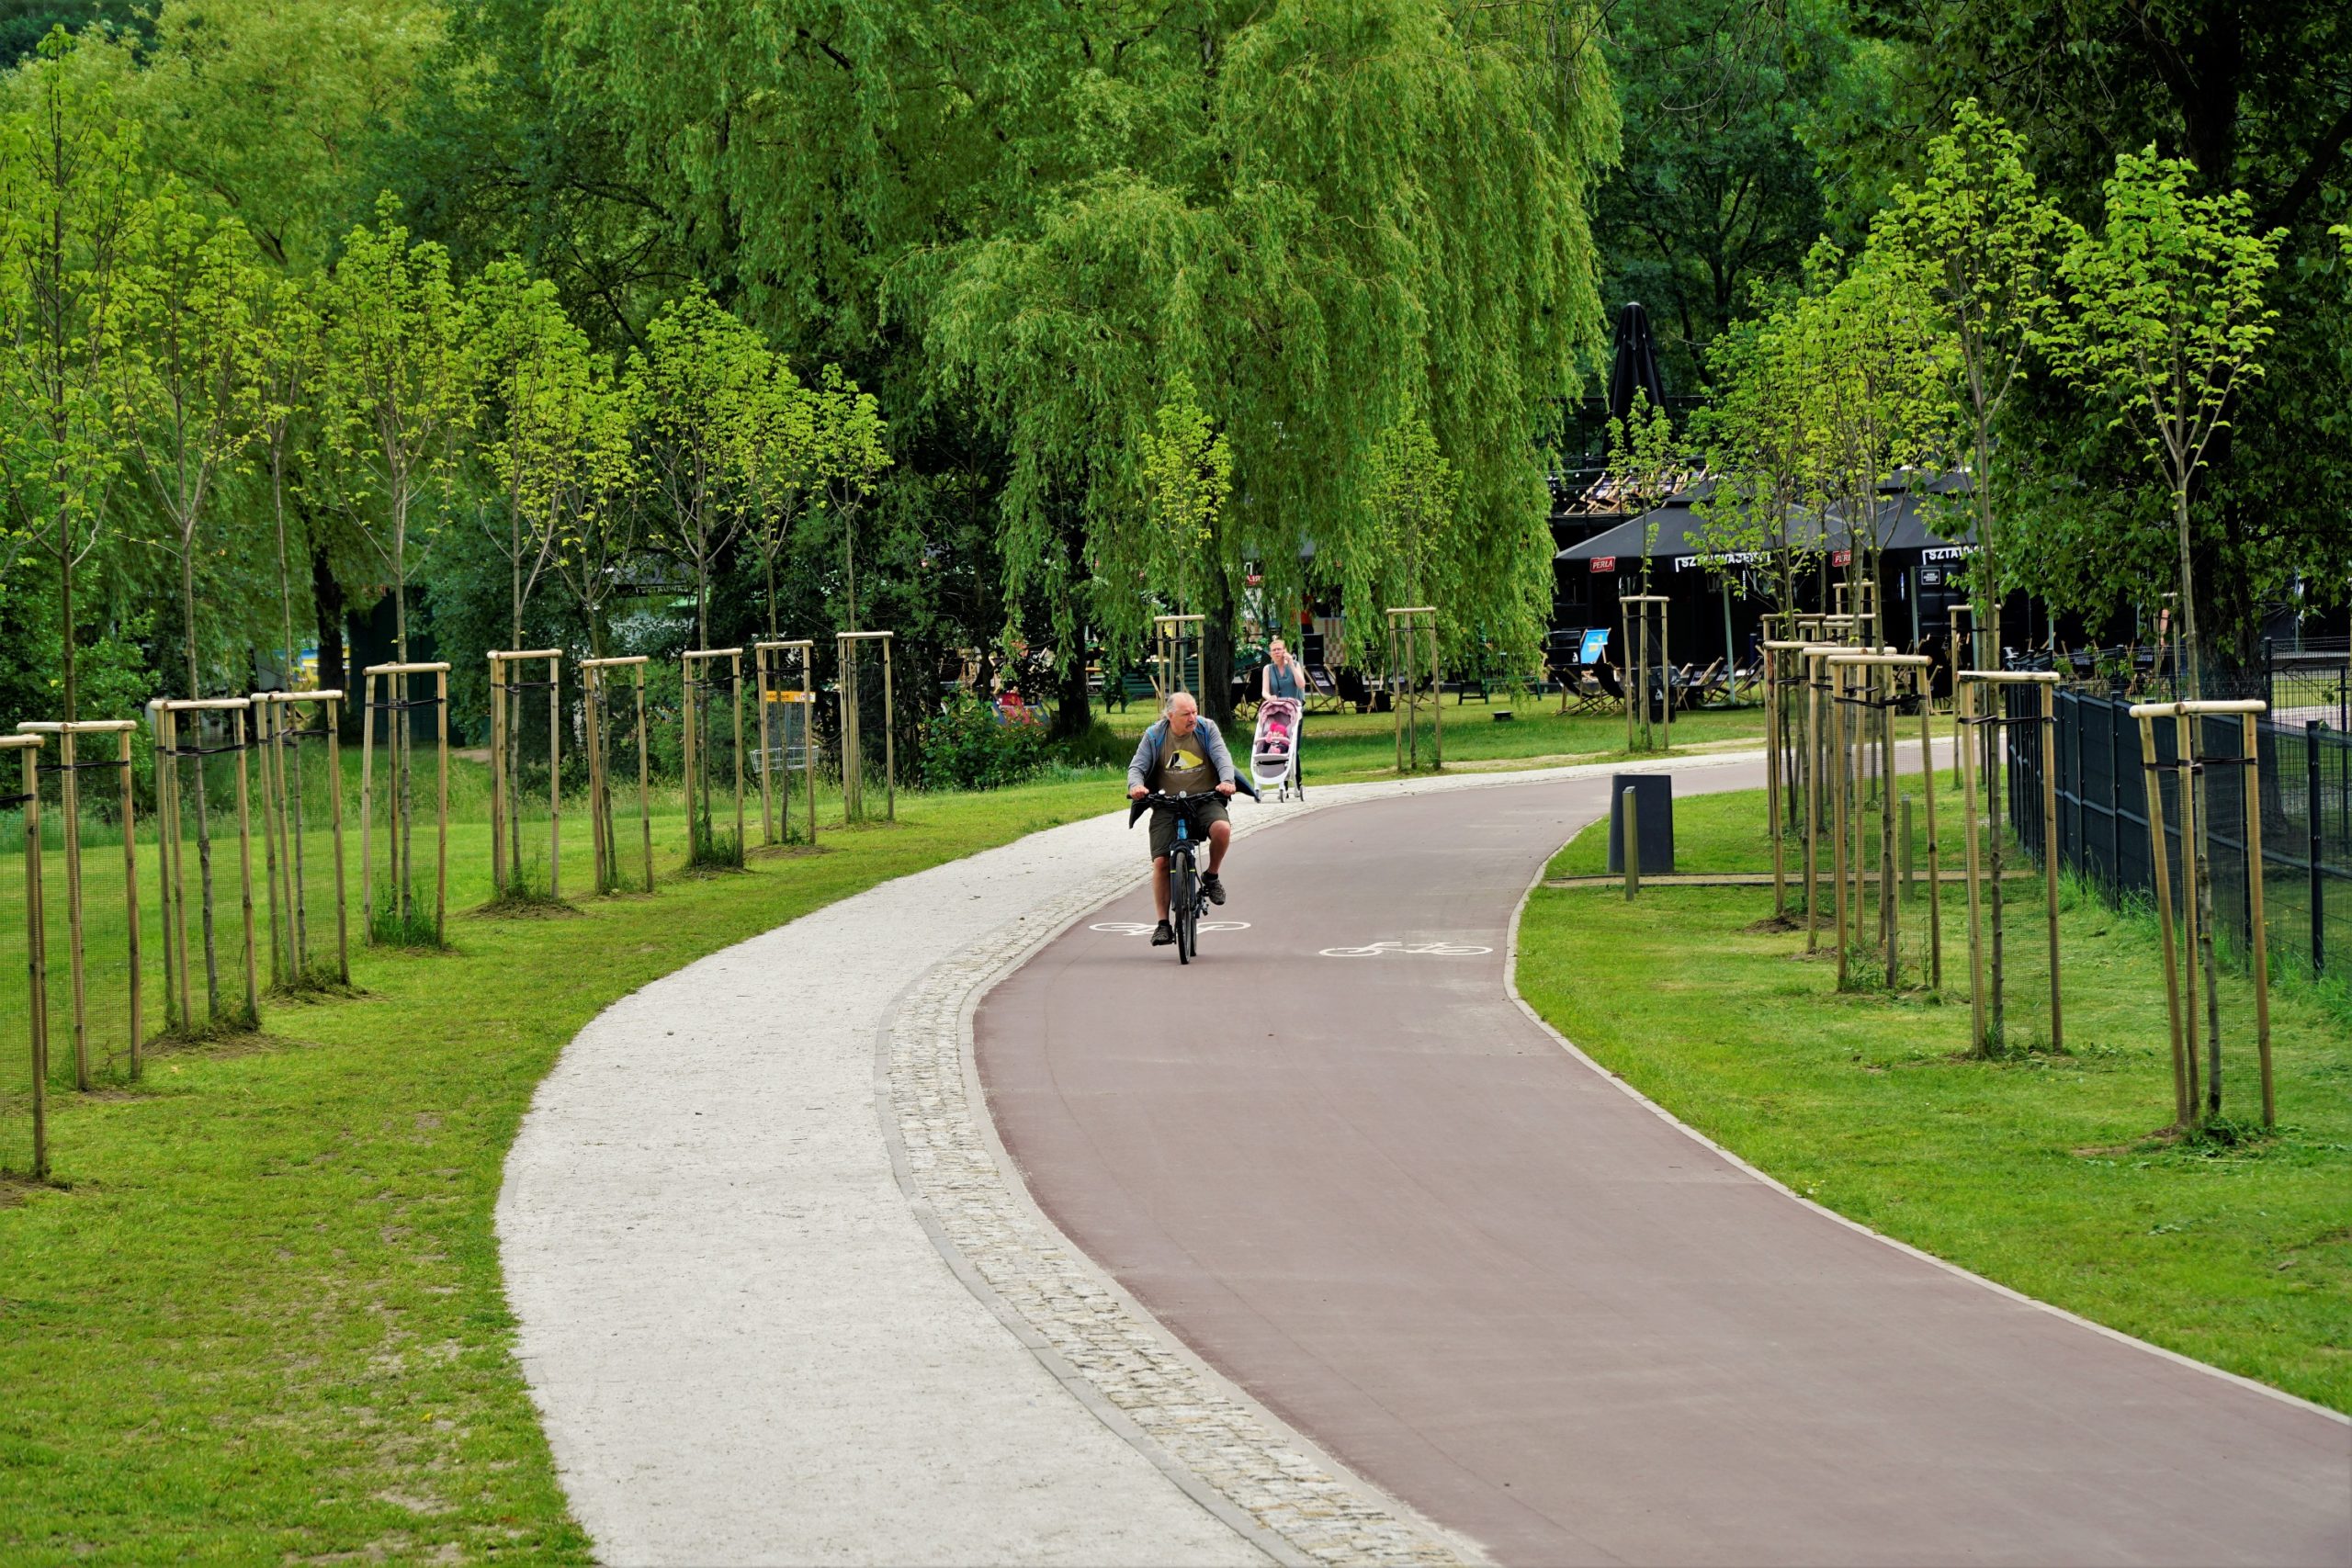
(1416, 949)
(1144, 928)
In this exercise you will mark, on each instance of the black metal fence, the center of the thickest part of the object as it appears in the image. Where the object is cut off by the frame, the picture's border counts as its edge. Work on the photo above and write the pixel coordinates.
(2102, 811)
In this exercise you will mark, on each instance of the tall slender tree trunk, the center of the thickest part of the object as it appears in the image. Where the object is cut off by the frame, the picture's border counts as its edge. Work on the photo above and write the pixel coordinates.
(402, 736)
(293, 756)
(203, 817)
(1216, 653)
(2205, 955)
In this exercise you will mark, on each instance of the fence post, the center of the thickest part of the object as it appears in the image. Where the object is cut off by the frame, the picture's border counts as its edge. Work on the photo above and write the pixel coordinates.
(2117, 718)
(2313, 824)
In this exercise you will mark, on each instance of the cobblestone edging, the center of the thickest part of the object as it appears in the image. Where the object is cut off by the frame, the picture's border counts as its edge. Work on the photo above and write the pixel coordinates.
(1258, 1477)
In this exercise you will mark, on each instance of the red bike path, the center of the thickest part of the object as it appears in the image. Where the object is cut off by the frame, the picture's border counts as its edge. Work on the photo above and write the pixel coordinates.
(1384, 1200)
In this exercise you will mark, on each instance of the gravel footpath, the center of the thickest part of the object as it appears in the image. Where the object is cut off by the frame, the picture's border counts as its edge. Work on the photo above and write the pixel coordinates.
(780, 1299)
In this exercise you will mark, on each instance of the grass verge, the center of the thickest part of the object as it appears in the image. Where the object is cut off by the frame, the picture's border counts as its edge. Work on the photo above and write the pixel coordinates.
(262, 1318)
(2043, 1170)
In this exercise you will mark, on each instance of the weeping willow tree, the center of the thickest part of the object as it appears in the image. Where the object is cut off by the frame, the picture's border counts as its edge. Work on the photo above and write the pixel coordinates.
(1330, 221)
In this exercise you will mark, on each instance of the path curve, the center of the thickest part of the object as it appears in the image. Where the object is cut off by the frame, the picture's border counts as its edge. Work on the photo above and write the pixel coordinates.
(778, 1300)
(1384, 1198)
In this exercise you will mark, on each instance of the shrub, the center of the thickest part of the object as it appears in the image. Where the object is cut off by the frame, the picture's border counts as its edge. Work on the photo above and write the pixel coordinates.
(966, 746)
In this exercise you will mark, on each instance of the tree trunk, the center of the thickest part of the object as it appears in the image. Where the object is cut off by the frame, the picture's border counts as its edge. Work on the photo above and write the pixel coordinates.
(203, 817)
(401, 734)
(1216, 654)
(1073, 705)
(2205, 955)
(514, 529)
(326, 597)
(293, 754)
(65, 612)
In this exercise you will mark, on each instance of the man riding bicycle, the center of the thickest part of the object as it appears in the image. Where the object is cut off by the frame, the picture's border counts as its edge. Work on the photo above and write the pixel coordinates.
(1182, 754)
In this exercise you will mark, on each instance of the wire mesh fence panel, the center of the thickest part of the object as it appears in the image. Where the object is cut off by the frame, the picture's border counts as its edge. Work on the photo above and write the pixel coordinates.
(867, 678)
(405, 804)
(785, 756)
(100, 979)
(527, 714)
(209, 867)
(716, 767)
(618, 758)
(2304, 785)
(319, 799)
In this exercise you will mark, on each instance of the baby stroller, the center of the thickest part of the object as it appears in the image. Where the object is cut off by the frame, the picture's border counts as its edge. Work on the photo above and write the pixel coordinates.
(1274, 748)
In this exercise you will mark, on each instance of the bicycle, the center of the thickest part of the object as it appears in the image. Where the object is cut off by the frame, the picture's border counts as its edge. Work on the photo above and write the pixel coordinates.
(1186, 899)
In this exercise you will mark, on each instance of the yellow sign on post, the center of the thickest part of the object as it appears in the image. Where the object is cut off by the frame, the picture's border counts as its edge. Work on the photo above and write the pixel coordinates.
(786, 732)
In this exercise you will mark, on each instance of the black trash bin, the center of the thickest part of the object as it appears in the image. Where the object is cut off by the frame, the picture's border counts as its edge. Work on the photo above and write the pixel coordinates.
(1653, 800)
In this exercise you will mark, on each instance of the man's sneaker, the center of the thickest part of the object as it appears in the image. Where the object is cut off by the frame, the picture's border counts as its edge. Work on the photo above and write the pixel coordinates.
(1162, 934)
(1213, 887)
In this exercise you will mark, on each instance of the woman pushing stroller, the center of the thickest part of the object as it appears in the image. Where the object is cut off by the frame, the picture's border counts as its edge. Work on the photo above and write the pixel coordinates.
(1283, 678)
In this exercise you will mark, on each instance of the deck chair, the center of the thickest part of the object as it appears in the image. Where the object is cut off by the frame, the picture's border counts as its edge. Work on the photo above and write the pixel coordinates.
(1696, 691)
(1613, 689)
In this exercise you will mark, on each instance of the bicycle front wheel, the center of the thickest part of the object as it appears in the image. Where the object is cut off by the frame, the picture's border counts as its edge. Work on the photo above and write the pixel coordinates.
(1186, 907)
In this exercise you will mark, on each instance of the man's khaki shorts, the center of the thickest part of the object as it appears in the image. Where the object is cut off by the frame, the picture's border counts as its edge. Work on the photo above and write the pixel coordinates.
(1210, 810)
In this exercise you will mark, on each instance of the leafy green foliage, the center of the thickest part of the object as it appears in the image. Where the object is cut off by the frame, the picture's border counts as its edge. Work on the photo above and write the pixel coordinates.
(1329, 218)
(697, 385)
(1717, 193)
(188, 397)
(399, 387)
(965, 746)
(2164, 320)
(71, 206)
(1764, 509)
(1978, 236)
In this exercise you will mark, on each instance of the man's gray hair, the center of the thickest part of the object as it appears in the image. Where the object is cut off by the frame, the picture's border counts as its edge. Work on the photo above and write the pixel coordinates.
(1174, 698)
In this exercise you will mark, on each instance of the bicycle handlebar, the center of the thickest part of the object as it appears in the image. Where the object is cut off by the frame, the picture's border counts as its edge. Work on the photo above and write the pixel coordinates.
(1160, 801)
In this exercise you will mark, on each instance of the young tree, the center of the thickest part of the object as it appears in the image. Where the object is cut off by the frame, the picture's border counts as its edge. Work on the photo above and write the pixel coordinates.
(696, 384)
(398, 401)
(398, 388)
(782, 468)
(598, 501)
(1185, 465)
(188, 402)
(532, 384)
(1760, 525)
(1757, 441)
(2163, 319)
(1977, 236)
(72, 204)
(852, 455)
(1646, 467)
(286, 332)
(1882, 404)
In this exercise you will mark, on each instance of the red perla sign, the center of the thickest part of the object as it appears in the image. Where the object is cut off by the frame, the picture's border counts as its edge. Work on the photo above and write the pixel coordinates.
(1842, 557)
(1604, 563)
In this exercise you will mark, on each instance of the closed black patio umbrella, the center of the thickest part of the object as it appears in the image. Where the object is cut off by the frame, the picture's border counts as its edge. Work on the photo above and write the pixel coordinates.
(1634, 366)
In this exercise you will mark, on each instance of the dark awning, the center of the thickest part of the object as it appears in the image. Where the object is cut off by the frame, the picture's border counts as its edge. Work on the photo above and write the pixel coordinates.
(1911, 517)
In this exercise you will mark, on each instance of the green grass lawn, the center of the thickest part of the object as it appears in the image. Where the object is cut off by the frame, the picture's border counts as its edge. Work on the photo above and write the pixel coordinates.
(259, 1314)
(2044, 1171)
(261, 1319)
